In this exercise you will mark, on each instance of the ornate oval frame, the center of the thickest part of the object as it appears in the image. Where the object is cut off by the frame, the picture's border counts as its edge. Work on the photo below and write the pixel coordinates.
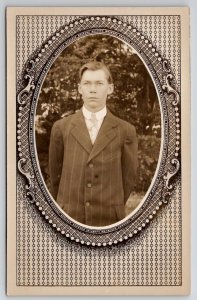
(28, 92)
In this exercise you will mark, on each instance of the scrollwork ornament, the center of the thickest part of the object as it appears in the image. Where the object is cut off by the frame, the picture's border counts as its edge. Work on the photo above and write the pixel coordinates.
(170, 90)
(31, 65)
(30, 86)
(167, 191)
(29, 186)
(166, 66)
(165, 197)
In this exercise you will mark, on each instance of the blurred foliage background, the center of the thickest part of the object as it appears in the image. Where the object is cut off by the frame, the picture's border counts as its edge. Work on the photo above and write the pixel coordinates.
(134, 99)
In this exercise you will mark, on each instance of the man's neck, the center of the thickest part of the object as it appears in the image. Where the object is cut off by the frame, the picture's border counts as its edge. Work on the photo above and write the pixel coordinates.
(94, 110)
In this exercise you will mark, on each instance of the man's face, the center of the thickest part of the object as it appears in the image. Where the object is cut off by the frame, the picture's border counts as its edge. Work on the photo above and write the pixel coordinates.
(94, 88)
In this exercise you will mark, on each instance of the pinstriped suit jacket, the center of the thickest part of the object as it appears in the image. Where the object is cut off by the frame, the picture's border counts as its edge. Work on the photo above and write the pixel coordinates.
(91, 183)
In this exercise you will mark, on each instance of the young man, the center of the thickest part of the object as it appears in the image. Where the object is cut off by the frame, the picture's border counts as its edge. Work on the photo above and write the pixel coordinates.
(93, 155)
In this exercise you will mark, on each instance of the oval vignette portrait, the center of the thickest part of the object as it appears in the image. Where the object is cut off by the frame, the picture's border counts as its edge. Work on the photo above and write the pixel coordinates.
(98, 130)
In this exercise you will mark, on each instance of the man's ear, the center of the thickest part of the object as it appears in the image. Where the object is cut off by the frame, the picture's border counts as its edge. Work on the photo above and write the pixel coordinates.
(79, 88)
(110, 88)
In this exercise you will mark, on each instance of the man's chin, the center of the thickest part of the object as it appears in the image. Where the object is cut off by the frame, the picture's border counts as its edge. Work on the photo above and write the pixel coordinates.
(93, 104)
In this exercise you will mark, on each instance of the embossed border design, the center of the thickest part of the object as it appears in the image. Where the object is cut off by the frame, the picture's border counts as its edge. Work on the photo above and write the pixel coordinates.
(32, 77)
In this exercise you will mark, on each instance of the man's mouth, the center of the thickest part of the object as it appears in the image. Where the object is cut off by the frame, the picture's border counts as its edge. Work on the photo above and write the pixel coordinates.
(92, 98)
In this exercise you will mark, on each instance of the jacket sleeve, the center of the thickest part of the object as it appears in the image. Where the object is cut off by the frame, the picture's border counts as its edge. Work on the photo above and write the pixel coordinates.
(56, 150)
(129, 161)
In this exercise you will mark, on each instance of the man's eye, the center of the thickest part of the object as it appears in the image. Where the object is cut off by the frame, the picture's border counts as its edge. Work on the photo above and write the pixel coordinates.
(100, 83)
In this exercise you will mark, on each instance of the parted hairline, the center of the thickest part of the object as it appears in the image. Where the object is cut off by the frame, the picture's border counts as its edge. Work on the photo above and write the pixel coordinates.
(94, 66)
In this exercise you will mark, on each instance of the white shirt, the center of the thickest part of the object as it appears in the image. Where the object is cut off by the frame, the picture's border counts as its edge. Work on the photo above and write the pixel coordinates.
(94, 129)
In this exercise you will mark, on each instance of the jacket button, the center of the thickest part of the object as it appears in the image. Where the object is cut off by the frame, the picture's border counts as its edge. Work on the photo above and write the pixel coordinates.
(91, 165)
(87, 203)
(89, 185)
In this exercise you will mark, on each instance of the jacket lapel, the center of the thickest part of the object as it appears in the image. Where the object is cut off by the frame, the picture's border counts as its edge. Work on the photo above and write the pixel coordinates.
(105, 136)
(80, 131)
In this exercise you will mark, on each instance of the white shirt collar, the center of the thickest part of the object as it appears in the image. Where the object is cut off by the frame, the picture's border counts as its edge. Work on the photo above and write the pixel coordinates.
(99, 114)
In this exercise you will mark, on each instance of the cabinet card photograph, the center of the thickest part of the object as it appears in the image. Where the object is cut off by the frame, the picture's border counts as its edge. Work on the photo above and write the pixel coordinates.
(98, 199)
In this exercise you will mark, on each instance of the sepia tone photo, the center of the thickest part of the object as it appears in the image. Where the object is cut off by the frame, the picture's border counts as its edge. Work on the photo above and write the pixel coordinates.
(98, 165)
(98, 87)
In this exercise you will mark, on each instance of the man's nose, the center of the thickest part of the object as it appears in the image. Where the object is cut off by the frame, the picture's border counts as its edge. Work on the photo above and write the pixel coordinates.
(93, 88)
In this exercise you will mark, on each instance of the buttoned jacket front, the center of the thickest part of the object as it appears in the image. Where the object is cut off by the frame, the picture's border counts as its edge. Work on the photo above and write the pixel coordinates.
(91, 183)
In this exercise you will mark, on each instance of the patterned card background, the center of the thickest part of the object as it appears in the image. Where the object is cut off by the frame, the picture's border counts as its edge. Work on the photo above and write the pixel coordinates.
(151, 257)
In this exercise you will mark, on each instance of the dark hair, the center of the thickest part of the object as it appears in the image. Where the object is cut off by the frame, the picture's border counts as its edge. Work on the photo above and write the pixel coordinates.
(94, 66)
